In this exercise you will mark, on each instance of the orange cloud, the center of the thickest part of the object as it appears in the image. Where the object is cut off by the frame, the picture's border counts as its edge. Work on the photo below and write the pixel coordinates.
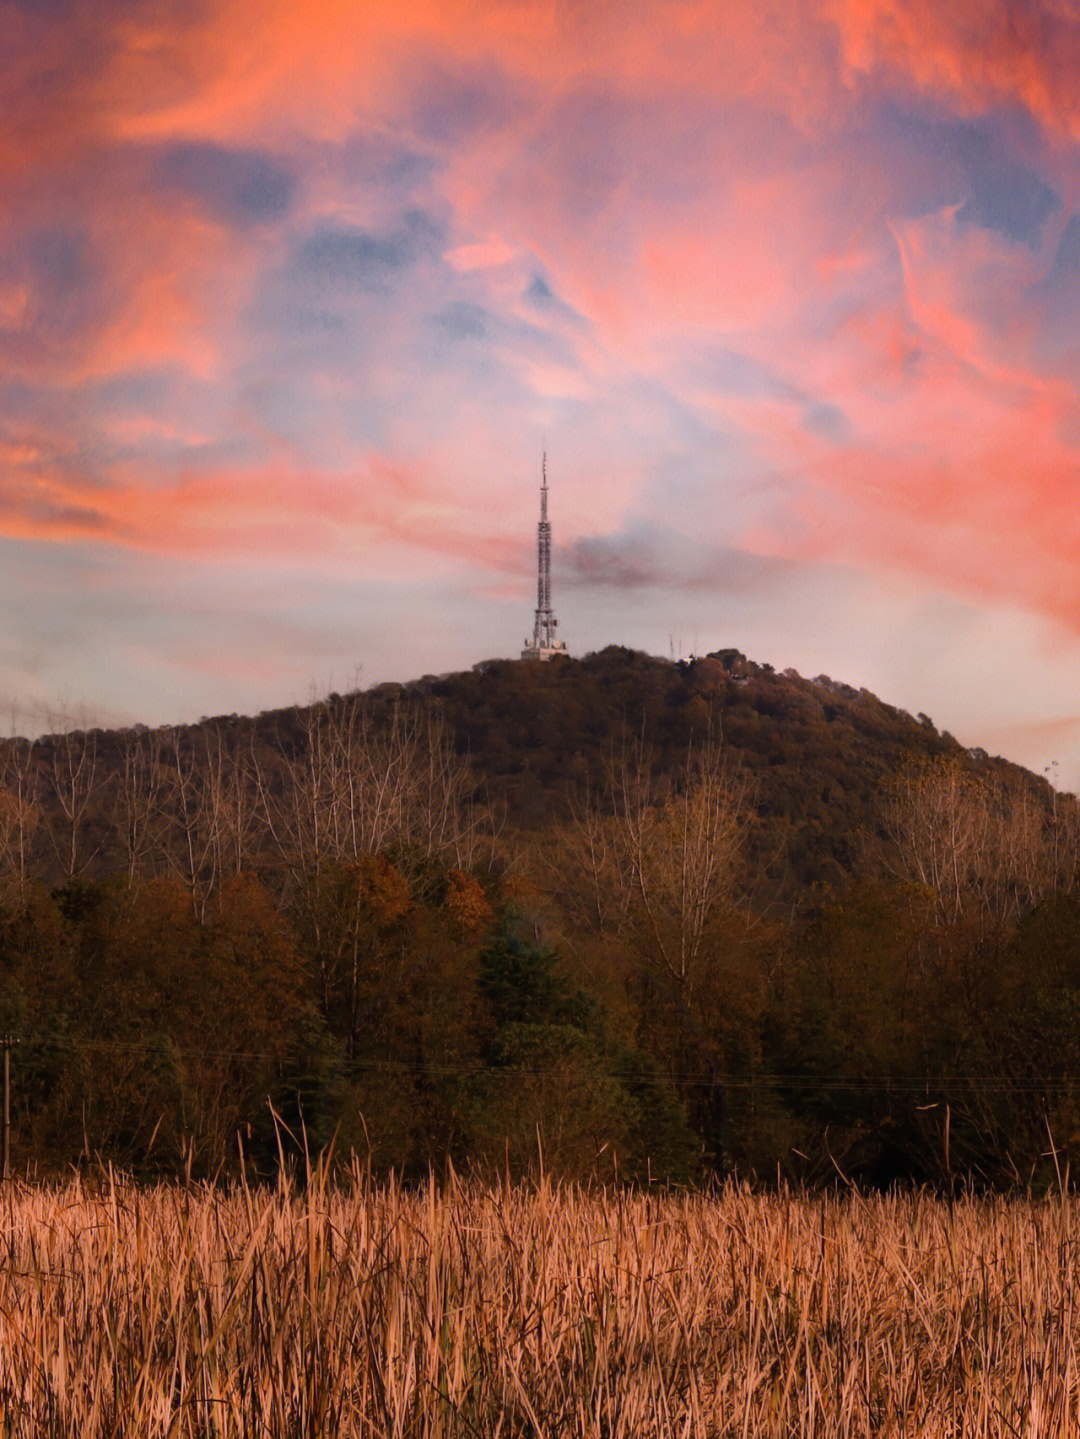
(243, 68)
(362, 519)
(979, 52)
(685, 174)
(996, 524)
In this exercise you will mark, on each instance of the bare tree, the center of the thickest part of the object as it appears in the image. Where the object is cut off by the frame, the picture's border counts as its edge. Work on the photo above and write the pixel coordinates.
(356, 787)
(979, 846)
(232, 802)
(586, 847)
(661, 859)
(137, 810)
(74, 782)
(299, 798)
(20, 811)
(297, 802)
(679, 853)
(439, 812)
(935, 825)
(195, 819)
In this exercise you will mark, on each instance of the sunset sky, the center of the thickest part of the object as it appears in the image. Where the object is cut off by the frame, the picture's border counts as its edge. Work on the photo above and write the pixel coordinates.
(292, 297)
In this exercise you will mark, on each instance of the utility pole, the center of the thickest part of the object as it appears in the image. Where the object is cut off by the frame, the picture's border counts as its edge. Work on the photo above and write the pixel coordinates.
(6, 1042)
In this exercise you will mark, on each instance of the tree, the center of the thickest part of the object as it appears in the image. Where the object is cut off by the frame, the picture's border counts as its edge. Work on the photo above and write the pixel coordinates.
(556, 1089)
(137, 810)
(244, 1008)
(977, 845)
(73, 779)
(519, 982)
(662, 855)
(20, 809)
(195, 806)
(679, 855)
(361, 902)
(661, 860)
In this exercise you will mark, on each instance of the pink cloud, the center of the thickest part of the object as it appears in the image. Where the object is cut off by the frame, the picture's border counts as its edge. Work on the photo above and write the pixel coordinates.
(685, 176)
(979, 52)
(362, 519)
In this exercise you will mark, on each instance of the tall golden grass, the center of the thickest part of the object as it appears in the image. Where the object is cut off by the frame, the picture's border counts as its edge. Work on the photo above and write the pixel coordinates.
(459, 1310)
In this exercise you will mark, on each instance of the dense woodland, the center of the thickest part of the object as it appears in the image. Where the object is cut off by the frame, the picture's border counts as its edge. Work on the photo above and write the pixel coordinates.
(657, 921)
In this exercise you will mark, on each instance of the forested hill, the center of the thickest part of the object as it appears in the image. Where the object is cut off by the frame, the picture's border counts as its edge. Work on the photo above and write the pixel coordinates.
(674, 918)
(814, 752)
(529, 740)
(488, 760)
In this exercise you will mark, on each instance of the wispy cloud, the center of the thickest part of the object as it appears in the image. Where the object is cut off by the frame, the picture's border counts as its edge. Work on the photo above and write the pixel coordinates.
(782, 289)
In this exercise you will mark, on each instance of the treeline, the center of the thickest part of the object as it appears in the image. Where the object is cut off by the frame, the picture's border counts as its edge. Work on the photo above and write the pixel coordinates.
(199, 803)
(656, 922)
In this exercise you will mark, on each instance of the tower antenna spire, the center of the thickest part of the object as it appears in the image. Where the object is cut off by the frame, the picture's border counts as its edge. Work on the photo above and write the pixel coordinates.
(543, 644)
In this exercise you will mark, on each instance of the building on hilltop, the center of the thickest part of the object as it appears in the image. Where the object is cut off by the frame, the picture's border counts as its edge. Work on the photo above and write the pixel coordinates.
(544, 645)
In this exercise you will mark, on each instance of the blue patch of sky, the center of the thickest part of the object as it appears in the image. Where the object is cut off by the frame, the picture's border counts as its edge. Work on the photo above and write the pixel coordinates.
(27, 403)
(731, 372)
(196, 419)
(1056, 298)
(298, 338)
(170, 457)
(734, 373)
(49, 8)
(134, 391)
(238, 188)
(914, 148)
(1011, 200)
(173, 396)
(588, 145)
(1067, 255)
(351, 258)
(539, 292)
(449, 106)
(462, 320)
(66, 279)
(826, 421)
(1061, 282)
(371, 159)
(59, 258)
(307, 330)
(985, 167)
(540, 295)
(466, 321)
(103, 11)
(337, 305)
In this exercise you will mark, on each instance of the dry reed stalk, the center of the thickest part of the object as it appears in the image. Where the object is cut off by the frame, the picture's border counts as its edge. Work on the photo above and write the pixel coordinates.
(463, 1311)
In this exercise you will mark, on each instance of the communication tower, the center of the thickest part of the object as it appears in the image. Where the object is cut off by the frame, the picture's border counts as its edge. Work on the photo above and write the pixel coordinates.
(544, 645)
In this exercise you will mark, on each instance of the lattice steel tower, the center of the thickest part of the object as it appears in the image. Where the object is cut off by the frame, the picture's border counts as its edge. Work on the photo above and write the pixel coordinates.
(544, 644)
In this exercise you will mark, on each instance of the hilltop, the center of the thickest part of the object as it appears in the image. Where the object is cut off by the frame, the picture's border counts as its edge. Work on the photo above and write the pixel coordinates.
(815, 751)
(680, 917)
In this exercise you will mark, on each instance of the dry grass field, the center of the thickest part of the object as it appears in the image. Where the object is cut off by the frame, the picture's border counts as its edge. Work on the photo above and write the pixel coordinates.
(460, 1310)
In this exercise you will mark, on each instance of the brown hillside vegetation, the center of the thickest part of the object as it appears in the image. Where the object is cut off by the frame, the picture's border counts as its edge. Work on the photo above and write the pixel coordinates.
(534, 1311)
(682, 918)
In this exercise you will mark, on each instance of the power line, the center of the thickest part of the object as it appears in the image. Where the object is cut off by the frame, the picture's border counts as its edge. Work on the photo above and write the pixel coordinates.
(923, 1085)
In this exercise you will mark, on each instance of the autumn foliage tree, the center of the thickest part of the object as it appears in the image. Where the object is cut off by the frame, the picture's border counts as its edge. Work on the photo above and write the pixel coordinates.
(671, 955)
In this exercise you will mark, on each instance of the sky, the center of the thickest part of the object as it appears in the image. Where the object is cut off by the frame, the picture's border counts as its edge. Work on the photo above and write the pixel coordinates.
(294, 296)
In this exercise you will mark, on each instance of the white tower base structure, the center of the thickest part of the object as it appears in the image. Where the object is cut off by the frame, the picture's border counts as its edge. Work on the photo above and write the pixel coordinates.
(544, 645)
